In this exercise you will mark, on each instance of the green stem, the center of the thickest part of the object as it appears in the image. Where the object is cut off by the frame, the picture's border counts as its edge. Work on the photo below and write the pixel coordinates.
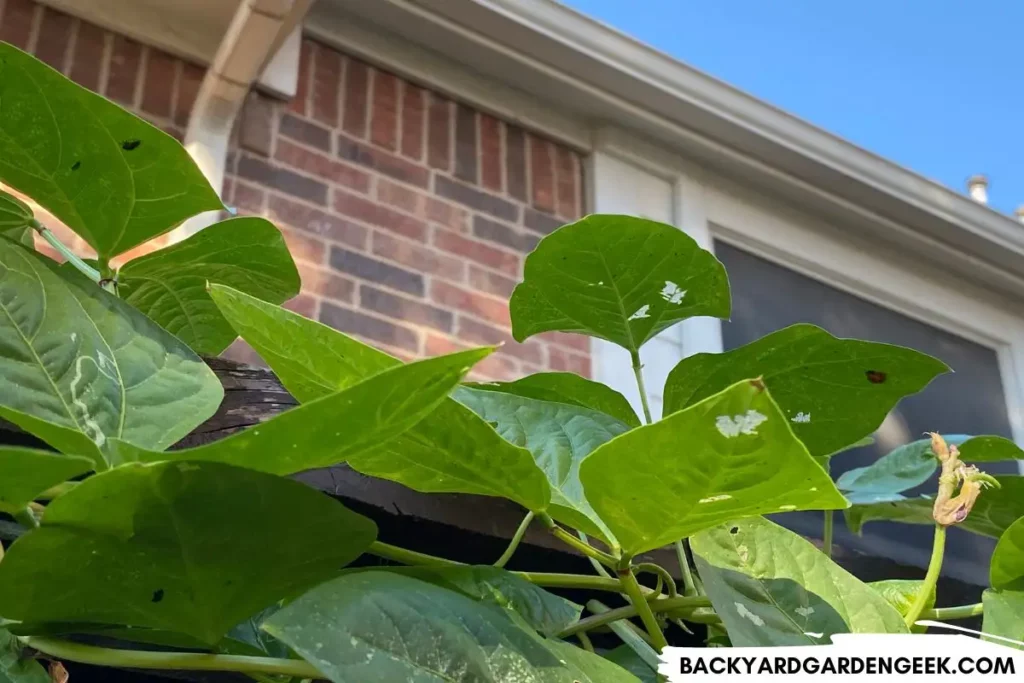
(410, 557)
(689, 587)
(643, 609)
(930, 579)
(598, 567)
(68, 255)
(638, 372)
(57, 491)
(26, 518)
(575, 543)
(180, 661)
(629, 611)
(664, 578)
(585, 641)
(826, 535)
(514, 543)
(634, 638)
(597, 583)
(953, 613)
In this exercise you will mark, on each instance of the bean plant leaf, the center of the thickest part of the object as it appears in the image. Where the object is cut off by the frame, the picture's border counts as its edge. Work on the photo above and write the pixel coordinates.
(833, 391)
(1006, 571)
(78, 366)
(381, 626)
(995, 510)
(169, 285)
(569, 388)
(591, 667)
(619, 278)
(900, 593)
(903, 468)
(625, 657)
(15, 219)
(15, 666)
(990, 449)
(332, 429)
(559, 436)
(771, 587)
(1004, 617)
(26, 472)
(188, 547)
(729, 456)
(450, 451)
(541, 610)
(108, 175)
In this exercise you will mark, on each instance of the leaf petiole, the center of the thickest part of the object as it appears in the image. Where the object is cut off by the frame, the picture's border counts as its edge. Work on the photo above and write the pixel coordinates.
(516, 539)
(643, 608)
(953, 613)
(64, 251)
(576, 544)
(930, 579)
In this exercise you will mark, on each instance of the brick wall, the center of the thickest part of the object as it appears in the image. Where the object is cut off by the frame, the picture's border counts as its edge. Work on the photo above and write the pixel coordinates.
(408, 214)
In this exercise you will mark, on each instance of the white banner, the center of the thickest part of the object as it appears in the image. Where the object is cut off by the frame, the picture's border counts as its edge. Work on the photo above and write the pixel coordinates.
(853, 657)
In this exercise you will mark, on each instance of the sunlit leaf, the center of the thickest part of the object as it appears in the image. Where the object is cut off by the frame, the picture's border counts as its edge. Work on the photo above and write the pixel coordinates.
(569, 388)
(1006, 571)
(901, 593)
(1004, 617)
(25, 473)
(990, 449)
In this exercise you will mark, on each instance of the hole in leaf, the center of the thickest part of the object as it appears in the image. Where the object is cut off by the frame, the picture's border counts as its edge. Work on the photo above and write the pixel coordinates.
(77, 165)
(158, 595)
(875, 376)
(129, 145)
(734, 530)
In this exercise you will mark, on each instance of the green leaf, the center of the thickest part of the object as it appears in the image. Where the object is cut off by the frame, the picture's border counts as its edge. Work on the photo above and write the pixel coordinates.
(990, 449)
(188, 547)
(900, 593)
(450, 451)
(15, 219)
(108, 175)
(729, 456)
(559, 436)
(1004, 616)
(833, 391)
(79, 366)
(629, 660)
(995, 510)
(247, 638)
(16, 668)
(591, 667)
(1006, 571)
(332, 429)
(568, 388)
(903, 468)
(381, 627)
(541, 610)
(771, 587)
(169, 285)
(26, 472)
(620, 278)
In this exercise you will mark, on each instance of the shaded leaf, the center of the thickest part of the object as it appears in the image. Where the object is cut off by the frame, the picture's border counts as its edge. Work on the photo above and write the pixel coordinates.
(78, 366)
(15, 219)
(26, 472)
(619, 278)
(559, 436)
(569, 388)
(450, 451)
(169, 285)
(108, 175)
(629, 660)
(1006, 571)
(990, 449)
(592, 668)
(332, 429)
(1004, 616)
(771, 587)
(729, 456)
(833, 391)
(247, 638)
(16, 668)
(142, 545)
(900, 593)
(381, 627)
(903, 468)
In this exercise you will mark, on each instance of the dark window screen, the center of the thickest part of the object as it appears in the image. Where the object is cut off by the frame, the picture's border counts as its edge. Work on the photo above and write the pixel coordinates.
(767, 297)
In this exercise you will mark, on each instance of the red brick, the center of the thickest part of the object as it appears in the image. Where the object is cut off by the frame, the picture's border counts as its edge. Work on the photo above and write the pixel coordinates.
(417, 256)
(567, 177)
(317, 222)
(498, 259)
(381, 161)
(474, 331)
(359, 208)
(241, 352)
(515, 162)
(480, 305)
(490, 282)
(188, 87)
(564, 361)
(54, 36)
(439, 122)
(474, 198)
(406, 310)
(257, 124)
(491, 158)
(369, 327)
(158, 84)
(299, 103)
(400, 197)
(465, 144)
(123, 73)
(413, 110)
(326, 283)
(306, 132)
(303, 304)
(571, 341)
(87, 59)
(304, 247)
(326, 85)
(249, 198)
(542, 175)
(448, 215)
(355, 97)
(496, 367)
(320, 165)
(436, 345)
(283, 179)
(16, 22)
(384, 110)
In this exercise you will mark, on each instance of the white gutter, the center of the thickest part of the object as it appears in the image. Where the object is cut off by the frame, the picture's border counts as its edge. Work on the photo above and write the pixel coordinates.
(259, 28)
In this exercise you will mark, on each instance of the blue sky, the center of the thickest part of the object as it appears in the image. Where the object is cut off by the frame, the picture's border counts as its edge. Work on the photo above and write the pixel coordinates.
(934, 85)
